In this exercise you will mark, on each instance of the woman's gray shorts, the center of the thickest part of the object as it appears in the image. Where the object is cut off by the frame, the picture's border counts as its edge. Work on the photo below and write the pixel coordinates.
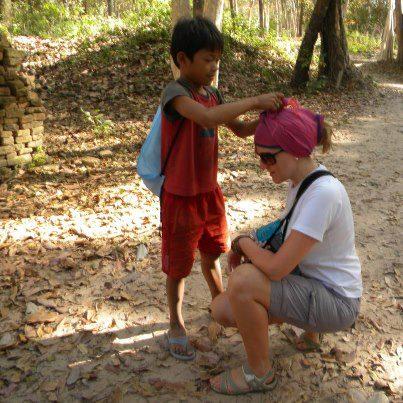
(308, 304)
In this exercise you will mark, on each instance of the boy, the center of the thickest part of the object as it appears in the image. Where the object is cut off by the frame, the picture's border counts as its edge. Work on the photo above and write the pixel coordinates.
(192, 205)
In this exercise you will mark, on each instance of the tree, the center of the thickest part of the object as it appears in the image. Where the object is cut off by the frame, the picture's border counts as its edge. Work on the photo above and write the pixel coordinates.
(198, 6)
(326, 20)
(386, 52)
(111, 7)
(233, 4)
(399, 32)
(214, 10)
(5, 11)
(261, 17)
(179, 9)
(300, 17)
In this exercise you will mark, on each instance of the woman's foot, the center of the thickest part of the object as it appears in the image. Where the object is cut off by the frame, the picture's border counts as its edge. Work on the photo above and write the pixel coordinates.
(309, 341)
(241, 380)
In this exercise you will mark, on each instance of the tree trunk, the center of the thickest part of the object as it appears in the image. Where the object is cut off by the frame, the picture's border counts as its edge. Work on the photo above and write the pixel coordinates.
(386, 52)
(233, 4)
(278, 18)
(300, 19)
(267, 17)
(301, 70)
(179, 9)
(214, 10)
(261, 17)
(335, 57)
(344, 7)
(251, 5)
(399, 32)
(198, 6)
(110, 7)
(5, 11)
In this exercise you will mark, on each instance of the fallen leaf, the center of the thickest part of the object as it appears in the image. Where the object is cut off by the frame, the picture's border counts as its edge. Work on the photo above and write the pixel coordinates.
(73, 377)
(201, 343)
(214, 330)
(42, 316)
(7, 341)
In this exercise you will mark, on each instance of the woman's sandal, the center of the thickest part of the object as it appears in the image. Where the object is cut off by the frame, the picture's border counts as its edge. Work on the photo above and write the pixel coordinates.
(255, 384)
(310, 345)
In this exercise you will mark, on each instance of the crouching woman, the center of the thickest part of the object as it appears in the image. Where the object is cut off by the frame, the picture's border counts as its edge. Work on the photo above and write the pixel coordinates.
(323, 295)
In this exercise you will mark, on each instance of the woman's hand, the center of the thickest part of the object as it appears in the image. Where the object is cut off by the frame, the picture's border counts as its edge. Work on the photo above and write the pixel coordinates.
(233, 260)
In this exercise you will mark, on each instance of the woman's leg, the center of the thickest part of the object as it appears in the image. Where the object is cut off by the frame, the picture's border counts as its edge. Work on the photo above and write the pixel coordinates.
(248, 295)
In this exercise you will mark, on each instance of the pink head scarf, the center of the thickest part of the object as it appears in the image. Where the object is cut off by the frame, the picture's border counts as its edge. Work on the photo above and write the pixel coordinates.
(294, 129)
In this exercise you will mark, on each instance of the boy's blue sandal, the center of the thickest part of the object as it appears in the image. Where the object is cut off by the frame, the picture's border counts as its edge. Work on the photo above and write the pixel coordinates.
(229, 387)
(184, 342)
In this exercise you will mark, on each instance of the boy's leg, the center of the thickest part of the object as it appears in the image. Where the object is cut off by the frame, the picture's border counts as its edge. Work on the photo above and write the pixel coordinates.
(214, 241)
(175, 292)
(180, 234)
(211, 269)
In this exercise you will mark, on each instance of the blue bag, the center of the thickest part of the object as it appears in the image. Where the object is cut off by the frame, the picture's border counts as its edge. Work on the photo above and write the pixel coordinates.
(149, 160)
(263, 234)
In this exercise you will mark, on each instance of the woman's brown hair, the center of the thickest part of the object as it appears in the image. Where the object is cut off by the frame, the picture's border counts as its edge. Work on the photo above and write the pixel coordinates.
(326, 138)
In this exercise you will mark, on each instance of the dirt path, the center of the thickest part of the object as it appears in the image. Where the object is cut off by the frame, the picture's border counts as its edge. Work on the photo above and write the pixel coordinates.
(83, 313)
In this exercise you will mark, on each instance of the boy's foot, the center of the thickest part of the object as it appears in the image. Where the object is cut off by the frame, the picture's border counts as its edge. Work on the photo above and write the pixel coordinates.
(179, 346)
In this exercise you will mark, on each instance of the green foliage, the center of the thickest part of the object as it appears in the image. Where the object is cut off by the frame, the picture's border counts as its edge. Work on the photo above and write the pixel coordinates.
(100, 126)
(362, 43)
(149, 15)
(39, 158)
(52, 19)
(241, 31)
(317, 85)
(367, 16)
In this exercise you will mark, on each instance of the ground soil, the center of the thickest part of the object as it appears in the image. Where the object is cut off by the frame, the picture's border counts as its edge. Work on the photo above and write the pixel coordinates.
(82, 299)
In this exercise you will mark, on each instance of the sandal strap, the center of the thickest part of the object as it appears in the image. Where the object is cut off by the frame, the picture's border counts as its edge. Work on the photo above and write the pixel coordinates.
(255, 383)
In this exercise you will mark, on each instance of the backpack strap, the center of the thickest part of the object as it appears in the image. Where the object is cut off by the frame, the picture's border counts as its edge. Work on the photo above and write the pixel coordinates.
(303, 187)
(185, 85)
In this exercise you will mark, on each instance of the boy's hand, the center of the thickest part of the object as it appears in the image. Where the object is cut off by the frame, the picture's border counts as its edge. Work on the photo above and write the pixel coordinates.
(272, 101)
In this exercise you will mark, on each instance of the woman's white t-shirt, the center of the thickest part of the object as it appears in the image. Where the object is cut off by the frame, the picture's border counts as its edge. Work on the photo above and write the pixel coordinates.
(324, 213)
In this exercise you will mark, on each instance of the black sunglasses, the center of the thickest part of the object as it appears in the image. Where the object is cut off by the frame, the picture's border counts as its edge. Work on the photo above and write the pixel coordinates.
(269, 158)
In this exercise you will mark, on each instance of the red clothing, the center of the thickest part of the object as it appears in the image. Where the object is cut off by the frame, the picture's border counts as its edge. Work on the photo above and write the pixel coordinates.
(190, 223)
(192, 164)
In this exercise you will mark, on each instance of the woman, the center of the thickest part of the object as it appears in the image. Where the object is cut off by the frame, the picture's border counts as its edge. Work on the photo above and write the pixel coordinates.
(325, 295)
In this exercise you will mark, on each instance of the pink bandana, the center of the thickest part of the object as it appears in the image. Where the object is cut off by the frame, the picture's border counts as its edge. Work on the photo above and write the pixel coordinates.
(294, 129)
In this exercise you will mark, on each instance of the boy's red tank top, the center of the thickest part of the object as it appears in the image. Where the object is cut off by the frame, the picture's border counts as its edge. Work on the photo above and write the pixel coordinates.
(192, 164)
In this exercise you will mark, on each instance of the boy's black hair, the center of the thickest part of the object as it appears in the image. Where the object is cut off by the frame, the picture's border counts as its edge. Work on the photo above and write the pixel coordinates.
(193, 34)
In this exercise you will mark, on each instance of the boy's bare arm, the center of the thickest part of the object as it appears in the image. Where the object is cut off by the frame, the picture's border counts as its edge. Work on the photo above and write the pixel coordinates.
(243, 128)
(221, 114)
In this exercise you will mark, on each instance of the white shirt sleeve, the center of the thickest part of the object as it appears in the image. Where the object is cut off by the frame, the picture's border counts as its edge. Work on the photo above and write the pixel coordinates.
(316, 211)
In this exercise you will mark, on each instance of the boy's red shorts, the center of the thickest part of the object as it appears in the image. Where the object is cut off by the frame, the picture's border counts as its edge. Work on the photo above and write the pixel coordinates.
(190, 223)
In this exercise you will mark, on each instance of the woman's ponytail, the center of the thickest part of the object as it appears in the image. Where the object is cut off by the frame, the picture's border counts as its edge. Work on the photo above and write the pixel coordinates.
(326, 138)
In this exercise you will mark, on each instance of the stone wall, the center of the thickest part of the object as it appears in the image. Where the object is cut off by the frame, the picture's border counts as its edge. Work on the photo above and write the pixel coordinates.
(21, 110)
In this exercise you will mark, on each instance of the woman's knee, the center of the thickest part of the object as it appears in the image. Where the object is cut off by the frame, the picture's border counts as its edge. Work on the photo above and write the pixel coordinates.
(221, 310)
(247, 282)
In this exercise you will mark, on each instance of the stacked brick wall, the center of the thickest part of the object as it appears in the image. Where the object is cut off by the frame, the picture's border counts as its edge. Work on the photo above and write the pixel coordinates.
(21, 110)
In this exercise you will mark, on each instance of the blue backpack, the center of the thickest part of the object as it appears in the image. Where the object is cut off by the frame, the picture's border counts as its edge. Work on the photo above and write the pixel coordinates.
(149, 160)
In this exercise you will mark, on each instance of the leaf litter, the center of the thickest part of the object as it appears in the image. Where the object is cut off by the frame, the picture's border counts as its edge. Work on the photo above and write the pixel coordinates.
(83, 302)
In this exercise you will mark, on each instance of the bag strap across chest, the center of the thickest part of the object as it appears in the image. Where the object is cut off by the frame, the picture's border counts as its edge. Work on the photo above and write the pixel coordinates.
(303, 187)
